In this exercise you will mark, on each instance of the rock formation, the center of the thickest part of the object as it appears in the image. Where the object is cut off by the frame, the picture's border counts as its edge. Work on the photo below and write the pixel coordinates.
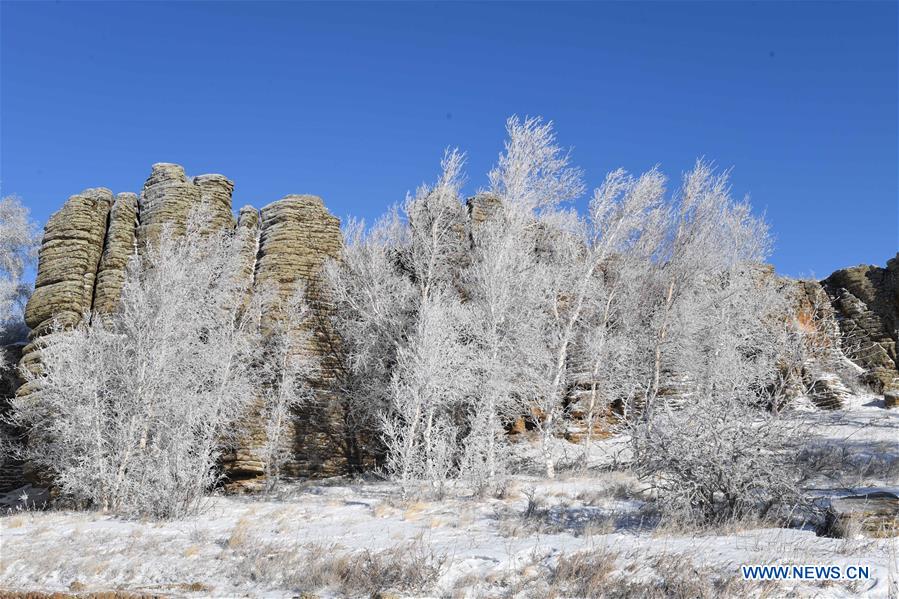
(483, 207)
(296, 235)
(87, 245)
(68, 260)
(866, 300)
(166, 200)
(117, 251)
(215, 196)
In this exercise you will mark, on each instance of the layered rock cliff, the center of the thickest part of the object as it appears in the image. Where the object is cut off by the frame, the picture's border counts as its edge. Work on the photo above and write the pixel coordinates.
(84, 257)
(296, 235)
(866, 301)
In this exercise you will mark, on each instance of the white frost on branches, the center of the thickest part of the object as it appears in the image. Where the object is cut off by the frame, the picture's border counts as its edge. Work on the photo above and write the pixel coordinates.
(18, 247)
(133, 409)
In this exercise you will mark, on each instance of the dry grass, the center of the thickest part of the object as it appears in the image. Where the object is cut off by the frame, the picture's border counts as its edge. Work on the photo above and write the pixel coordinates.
(600, 573)
(12, 522)
(409, 568)
(680, 578)
(382, 509)
(583, 574)
(240, 534)
(414, 510)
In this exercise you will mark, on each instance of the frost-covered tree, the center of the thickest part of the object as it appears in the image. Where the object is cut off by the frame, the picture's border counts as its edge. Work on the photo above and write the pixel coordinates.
(18, 245)
(430, 384)
(464, 324)
(718, 329)
(711, 235)
(397, 317)
(624, 226)
(519, 268)
(133, 409)
(373, 310)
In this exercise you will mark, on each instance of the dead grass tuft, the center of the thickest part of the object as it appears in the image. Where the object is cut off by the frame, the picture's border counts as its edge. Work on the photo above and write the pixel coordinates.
(583, 574)
(240, 534)
(408, 568)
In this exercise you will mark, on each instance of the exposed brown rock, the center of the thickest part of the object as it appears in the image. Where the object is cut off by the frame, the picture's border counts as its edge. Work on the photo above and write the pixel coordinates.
(166, 200)
(118, 250)
(69, 256)
(482, 208)
(297, 235)
(891, 398)
(215, 196)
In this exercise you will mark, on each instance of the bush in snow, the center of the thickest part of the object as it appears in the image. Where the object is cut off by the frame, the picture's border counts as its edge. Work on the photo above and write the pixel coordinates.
(712, 462)
(133, 409)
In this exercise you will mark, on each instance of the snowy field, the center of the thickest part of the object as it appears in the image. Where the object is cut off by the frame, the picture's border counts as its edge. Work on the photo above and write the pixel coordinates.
(586, 533)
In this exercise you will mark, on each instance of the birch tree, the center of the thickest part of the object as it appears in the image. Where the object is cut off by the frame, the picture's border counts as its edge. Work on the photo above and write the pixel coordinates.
(373, 311)
(399, 317)
(510, 286)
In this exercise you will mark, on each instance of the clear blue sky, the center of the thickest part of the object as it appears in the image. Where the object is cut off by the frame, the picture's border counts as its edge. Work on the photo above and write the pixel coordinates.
(355, 102)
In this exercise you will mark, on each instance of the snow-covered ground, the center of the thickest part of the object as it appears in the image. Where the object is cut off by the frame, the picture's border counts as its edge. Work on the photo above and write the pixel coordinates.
(582, 536)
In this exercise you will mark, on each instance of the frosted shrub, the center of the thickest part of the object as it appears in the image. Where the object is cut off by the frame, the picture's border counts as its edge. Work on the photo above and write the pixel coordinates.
(711, 462)
(133, 409)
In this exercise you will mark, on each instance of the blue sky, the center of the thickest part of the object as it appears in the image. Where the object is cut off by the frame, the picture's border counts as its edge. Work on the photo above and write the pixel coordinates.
(355, 102)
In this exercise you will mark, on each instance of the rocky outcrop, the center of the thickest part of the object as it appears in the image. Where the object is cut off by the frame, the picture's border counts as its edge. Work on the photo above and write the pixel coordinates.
(297, 235)
(88, 243)
(482, 208)
(117, 251)
(866, 302)
(215, 196)
(166, 201)
(68, 260)
(823, 372)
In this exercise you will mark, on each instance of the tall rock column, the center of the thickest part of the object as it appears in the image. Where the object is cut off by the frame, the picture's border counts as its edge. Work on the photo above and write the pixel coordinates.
(66, 274)
(215, 196)
(68, 259)
(117, 251)
(166, 200)
(297, 235)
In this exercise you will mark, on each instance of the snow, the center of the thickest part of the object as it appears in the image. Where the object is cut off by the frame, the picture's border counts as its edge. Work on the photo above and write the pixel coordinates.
(487, 543)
